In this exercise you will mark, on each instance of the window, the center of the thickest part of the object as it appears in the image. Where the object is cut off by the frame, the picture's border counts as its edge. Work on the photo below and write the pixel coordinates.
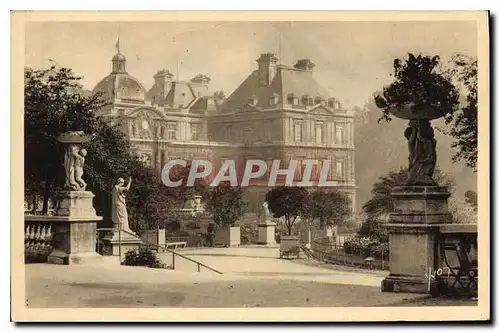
(339, 133)
(339, 169)
(195, 131)
(172, 130)
(319, 133)
(133, 130)
(291, 99)
(228, 133)
(298, 131)
(349, 133)
(298, 170)
(273, 100)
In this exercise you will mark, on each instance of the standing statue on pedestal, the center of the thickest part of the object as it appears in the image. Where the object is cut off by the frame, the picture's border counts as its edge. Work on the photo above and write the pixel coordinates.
(266, 213)
(119, 206)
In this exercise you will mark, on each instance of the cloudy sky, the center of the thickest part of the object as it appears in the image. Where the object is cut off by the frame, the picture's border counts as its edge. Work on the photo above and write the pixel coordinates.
(353, 59)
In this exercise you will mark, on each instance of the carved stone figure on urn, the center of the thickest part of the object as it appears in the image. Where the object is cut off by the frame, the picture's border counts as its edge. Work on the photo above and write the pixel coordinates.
(422, 153)
(74, 159)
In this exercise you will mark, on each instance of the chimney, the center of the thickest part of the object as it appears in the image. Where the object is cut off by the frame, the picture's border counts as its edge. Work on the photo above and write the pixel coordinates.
(304, 65)
(163, 78)
(201, 79)
(267, 68)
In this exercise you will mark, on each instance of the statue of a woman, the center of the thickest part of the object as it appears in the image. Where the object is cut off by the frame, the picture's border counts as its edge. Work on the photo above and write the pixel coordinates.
(119, 213)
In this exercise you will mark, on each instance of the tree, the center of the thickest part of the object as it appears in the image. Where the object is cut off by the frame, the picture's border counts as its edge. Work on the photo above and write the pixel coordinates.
(330, 207)
(226, 204)
(464, 122)
(287, 202)
(471, 199)
(55, 103)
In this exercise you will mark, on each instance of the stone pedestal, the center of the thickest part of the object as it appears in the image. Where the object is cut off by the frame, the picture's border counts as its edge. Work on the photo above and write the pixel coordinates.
(75, 204)
(155, 237)
(228, 236)
(118, 243)
(413, 237)
(72, 228)
(266, 233)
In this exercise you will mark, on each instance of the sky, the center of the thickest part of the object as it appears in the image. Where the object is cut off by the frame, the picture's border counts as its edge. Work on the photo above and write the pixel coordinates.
(353, 59)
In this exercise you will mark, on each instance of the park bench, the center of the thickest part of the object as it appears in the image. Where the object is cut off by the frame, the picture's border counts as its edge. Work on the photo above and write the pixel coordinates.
(175, 245)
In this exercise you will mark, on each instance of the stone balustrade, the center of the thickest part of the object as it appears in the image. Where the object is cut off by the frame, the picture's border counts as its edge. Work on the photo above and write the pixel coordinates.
(38, 240)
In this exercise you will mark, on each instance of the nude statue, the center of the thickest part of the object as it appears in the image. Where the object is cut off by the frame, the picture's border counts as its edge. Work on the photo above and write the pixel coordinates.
(69, 165)
(79, 161)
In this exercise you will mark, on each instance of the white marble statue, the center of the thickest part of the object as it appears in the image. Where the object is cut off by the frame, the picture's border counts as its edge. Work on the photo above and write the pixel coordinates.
(119, 206)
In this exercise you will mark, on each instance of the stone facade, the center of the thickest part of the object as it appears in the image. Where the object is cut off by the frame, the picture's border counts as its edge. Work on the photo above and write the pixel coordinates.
(278, 112)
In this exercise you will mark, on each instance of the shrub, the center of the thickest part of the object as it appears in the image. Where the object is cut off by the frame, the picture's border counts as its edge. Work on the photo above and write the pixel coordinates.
(366, 247)
(143, 257)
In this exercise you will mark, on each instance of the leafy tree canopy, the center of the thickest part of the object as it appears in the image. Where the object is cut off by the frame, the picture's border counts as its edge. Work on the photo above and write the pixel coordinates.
(226, 204)
(287, 202)
(329, 207)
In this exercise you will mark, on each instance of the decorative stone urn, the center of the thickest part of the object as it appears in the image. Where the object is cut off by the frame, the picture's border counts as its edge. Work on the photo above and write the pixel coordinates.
(73, 225)
(420, 206)
(288, 242)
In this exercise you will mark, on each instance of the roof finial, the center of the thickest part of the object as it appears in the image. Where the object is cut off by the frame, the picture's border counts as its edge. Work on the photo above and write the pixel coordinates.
(117, 45)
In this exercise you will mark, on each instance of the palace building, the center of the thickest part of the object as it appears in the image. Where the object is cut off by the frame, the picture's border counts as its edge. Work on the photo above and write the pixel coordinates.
(277, 112)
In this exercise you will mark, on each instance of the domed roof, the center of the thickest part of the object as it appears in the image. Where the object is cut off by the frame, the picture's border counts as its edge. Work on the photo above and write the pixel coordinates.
(119, 57)
(119, 84)
(122, 86)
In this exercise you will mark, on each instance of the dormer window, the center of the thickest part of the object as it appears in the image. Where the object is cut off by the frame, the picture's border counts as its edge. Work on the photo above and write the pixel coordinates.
(253, 100)
(273, 100)
(318, 100)
(292, 99)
